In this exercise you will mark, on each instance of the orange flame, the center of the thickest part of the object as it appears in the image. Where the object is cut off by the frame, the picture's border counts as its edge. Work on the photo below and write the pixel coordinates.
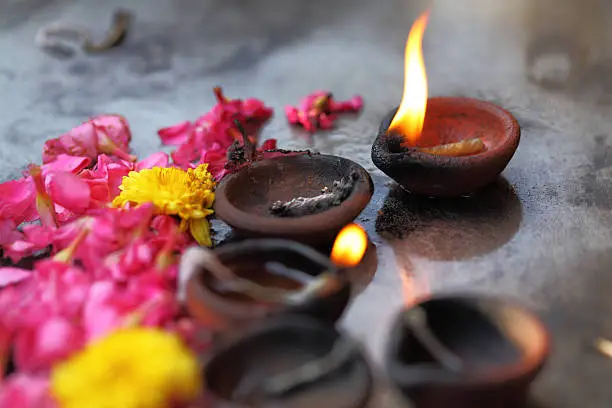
(408, 121)
(350, 246)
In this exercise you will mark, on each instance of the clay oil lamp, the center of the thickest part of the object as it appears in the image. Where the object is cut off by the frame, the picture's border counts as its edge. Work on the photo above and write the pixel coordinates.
(466, 352)
(240, 283)
(442, 146)
(289, 362)
(306, 198)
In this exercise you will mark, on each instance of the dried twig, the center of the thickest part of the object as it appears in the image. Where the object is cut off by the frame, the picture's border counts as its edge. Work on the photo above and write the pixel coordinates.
(66, 38)
(301, 206)
(119, 28)
(248, 147)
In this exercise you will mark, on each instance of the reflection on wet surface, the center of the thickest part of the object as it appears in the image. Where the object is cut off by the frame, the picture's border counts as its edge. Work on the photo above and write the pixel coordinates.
(446, 229)
(543, 238)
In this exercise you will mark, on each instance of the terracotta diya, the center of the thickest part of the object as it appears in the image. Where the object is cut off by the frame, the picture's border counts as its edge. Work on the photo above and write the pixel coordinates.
(306, 198)
(239, 284)
(443, 146)
(289, 362)
(466, 352)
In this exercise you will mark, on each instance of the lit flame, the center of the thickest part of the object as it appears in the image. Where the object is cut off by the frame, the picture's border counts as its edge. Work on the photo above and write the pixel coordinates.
(408, 121)
(350, 246)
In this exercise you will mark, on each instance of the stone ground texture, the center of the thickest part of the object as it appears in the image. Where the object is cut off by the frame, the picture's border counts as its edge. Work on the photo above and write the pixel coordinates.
(541, 235)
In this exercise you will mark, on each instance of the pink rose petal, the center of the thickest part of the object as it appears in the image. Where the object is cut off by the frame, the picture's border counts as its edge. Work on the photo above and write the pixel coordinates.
(10, 275)
(177, 134)
(69, 191)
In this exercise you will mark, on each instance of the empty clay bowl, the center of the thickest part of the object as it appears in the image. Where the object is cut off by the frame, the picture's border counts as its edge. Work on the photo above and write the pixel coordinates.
(272, 366)
(474, 352)
(257, 260)
(243, 198)
(449, 120)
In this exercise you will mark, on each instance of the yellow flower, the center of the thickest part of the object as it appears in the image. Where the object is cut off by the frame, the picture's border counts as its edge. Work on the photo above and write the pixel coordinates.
(173, 191)
(130, 368)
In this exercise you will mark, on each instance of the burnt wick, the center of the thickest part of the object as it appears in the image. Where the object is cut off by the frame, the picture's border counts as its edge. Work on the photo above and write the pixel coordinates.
(328, 198)
(311, 372)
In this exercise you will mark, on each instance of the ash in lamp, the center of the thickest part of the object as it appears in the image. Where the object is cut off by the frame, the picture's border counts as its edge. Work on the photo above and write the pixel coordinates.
(443, 146)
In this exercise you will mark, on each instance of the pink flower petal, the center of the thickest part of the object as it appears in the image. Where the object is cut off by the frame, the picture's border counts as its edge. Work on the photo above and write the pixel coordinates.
(177, 134)
(69, 191)
(159, 159)
(8, 232)
(17, 201)
(10, 275)
(292, 114)
(66, 163)
(25, 391)
(102, 134)
(268, 144)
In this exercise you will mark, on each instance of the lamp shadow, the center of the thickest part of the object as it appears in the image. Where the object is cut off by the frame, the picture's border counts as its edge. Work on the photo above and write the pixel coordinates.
(456, 228)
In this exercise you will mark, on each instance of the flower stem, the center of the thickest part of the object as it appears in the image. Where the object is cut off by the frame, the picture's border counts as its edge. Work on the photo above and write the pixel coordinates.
(66, 254)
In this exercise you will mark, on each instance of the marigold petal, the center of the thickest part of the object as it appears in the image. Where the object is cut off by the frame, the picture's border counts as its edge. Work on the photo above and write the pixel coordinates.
(200, 230)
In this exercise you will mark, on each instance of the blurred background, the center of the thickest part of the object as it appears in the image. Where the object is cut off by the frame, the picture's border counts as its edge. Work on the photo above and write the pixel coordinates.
(547, 61)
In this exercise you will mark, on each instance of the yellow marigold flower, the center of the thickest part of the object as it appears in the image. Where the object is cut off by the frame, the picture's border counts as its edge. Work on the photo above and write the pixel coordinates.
(173, 191)
(130, 368)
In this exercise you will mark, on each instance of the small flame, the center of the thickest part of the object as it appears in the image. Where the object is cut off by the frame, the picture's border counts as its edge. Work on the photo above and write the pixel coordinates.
(350, 246)
(408, 121)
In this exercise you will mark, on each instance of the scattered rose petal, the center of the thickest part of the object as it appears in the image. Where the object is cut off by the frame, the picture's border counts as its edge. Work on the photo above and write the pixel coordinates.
(108, 134)
(319, 110)
(177, 134)
(69, 191)
(26, 391)
(10, 275)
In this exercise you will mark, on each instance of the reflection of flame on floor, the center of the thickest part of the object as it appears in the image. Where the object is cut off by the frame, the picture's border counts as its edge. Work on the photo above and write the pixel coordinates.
(413, 287)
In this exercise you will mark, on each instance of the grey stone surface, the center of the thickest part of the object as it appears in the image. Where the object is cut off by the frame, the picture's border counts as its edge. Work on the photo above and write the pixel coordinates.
(542, 236)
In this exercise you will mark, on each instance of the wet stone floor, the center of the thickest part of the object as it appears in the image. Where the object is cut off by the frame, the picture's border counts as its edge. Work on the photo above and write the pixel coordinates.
(541, 234)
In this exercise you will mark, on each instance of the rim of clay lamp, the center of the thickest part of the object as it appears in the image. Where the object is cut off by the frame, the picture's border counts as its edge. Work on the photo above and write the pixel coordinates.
(525, 368)
(303, 228)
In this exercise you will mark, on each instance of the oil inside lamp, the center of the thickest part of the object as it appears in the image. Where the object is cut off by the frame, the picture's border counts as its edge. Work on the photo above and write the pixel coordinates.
(442, 146)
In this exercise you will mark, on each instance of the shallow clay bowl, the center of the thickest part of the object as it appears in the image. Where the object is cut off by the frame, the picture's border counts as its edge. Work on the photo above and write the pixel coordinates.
(449, 120)
(237, 373)
(500, 345)
(232, 312)
(243, 198)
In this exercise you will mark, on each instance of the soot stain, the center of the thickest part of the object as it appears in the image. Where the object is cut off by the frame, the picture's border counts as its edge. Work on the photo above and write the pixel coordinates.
(459, 228)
